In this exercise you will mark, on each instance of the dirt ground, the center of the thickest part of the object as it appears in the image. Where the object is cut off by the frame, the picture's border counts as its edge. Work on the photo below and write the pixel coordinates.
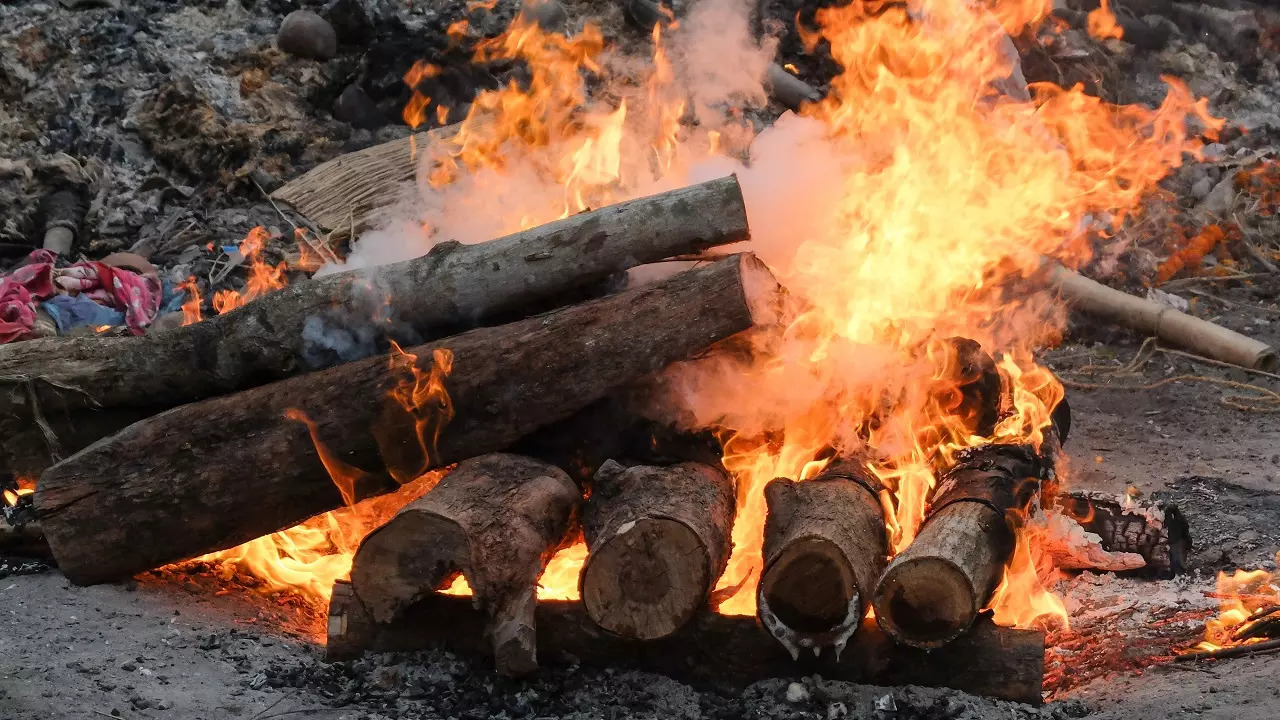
(171, 647)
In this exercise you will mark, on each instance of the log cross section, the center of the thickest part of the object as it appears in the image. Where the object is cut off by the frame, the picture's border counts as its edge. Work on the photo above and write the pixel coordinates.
(659, 538)
(496, 519)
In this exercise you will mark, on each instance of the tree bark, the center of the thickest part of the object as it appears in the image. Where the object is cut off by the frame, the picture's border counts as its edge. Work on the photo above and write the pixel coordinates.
(932, 591)
(712, 650)
(91, 387)
(659, 538)
(825, 544)
(216, 473)
(496, 519)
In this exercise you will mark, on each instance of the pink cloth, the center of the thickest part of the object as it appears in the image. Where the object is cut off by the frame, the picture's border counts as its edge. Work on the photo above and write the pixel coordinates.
(137, 295)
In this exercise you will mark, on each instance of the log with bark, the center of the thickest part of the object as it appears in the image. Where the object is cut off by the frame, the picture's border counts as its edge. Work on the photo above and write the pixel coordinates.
(219, 472)
(825, 544)
(658, 540)
(83, 389)
(712, 650)
(1166, 323)
(497, 519)
(932, 591)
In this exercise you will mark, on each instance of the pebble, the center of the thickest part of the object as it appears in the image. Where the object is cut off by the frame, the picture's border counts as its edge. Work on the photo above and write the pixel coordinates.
(356, 107)
(306, 34)
(797, 693)
(1248, 536)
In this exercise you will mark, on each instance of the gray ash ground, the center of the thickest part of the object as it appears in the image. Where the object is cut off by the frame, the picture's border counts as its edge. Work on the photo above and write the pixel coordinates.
(169, 114)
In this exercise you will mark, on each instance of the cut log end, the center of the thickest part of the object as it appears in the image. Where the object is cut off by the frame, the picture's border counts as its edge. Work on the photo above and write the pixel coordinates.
(926, 602)
(932, 591)
(647, 580)
(809, 595)
(395, 570)
(760, 290)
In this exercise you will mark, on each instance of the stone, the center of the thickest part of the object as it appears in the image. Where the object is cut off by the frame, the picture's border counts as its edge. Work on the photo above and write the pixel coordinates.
(797, 693)
(356, 107)
(307, 35)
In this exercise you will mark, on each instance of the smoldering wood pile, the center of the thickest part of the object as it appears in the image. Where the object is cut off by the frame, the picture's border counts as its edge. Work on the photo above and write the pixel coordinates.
(157, 449)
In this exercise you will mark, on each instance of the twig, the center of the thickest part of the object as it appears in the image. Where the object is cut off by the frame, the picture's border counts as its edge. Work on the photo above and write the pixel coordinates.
(1186, 282)
(1234, 303)
(95, 711)
(1233, 651)
(50, 437)
(269, 708)
(1217, 363)
(322, 250)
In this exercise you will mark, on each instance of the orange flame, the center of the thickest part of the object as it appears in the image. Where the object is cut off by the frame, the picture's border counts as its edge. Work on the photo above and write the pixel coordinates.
(263, 278)
(1240, 594)
(1102, 24)
(191, 306)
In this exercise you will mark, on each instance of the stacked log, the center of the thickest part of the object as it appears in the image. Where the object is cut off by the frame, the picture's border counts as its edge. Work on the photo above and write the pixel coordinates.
(825, 544)
(496, 519)
(62, 394)
(222, 471)
(932, 591)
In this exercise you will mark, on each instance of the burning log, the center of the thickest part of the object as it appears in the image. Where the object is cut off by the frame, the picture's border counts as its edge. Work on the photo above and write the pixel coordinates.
(497, 519)
(217, 473)
(659, 538)
(1155, 530)
(933, 590)
(824, 546)
(87, 388)
(711, 650)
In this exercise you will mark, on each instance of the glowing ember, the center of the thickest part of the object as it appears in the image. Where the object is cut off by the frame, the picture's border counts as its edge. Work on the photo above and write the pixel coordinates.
(1243, 596)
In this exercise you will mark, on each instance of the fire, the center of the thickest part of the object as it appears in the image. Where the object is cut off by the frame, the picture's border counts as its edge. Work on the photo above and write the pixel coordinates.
(191, 312)
(1102, 23)
(263, 278)
(912, 205)
(1241, 594)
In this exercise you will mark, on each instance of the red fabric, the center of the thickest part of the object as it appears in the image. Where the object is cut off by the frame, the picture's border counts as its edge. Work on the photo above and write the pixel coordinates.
(137, 295)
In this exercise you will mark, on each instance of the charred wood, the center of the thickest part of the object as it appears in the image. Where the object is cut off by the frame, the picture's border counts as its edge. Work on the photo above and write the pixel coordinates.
(932, 591)
(825, 544)
(496, 519)
(223, 471)
(1156, 530)
(712, 650)
(84, 389)
(659, 539)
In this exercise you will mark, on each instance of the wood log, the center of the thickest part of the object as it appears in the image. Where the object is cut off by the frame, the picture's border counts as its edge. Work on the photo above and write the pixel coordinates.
(496, 519)
(216, 473)
(658, 540)
(1154, 319)
(452, 288)
(1154, 529)
(712, 650)
(825, 544)
(932, 591)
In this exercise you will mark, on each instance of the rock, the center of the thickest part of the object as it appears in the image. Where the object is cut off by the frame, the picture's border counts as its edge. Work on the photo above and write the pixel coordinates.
(306, 34)
(797, 693)
(350, 22)
(1248, 536)
(356, 107)
(550, 15)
